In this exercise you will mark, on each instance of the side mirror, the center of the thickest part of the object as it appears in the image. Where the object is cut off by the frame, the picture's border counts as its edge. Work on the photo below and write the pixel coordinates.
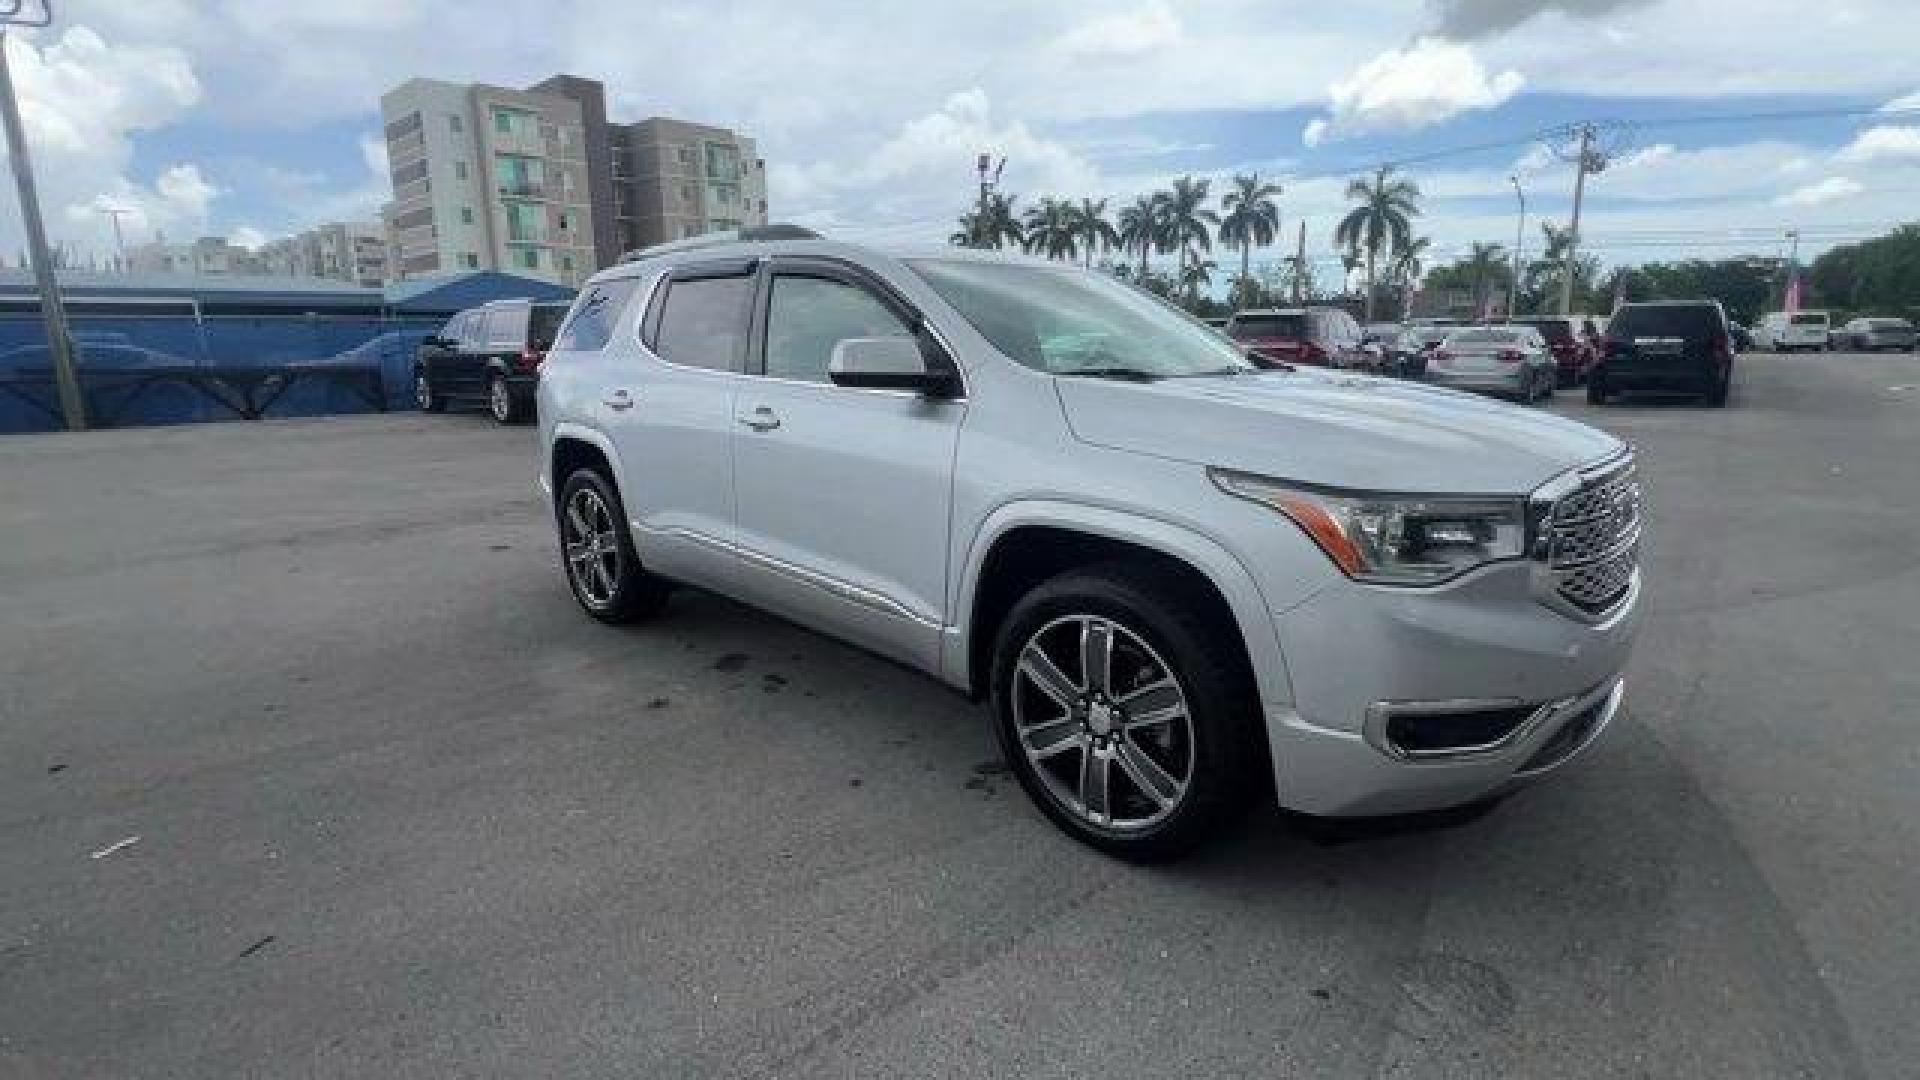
(887, 363)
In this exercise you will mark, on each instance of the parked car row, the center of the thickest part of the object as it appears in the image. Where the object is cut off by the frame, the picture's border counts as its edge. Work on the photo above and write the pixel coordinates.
(1813, 331)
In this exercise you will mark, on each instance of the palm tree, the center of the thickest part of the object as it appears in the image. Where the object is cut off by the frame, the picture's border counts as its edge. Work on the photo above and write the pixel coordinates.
(1140, 229)
(1090, 219)
(1484, 260)
(1251, 218)
(1052, 229)
(1406, 269)
(1185, 222)
(1382, 223)
(992, 223)
(1195, 276)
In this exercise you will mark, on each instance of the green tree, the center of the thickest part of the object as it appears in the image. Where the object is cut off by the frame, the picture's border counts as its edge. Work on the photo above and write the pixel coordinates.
(1052, 229)
(1381, 223)
(1874, 277)
(1186, 223)
(1406, 269)
(1249, 218)
(1485, 262)
(992, 223)
(1095, 231)
(1140, 229)
(1195, 276)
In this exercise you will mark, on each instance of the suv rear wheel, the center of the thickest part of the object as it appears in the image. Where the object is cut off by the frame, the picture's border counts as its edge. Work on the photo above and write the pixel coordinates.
(501, 402)
(1119, 713)
(602, 567)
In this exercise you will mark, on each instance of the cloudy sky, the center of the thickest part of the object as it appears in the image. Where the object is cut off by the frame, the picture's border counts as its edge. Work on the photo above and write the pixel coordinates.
(1733, 121)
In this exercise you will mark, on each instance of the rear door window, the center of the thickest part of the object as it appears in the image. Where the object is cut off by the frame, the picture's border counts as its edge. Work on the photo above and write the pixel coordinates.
(473, 332)
(703, 322)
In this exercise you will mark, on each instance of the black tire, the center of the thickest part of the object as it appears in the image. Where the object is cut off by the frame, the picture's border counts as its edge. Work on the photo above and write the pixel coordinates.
(424, 395)
(1220, 748)
(1549, 385)
(633, 593)
(1596, 390)
(1716, 395)
(505, 406)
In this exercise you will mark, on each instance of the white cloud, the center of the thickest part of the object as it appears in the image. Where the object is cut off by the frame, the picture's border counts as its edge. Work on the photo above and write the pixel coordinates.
(1821, 192)
(1400, 89)
(1887, 142)
(1645, 157)
(247, 236)
(1128, 34)
(920, 168)
(82, 98)
(1903, 103)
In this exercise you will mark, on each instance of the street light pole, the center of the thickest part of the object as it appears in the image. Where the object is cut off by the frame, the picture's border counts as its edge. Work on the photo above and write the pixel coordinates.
(1519, 237)
(54, 313)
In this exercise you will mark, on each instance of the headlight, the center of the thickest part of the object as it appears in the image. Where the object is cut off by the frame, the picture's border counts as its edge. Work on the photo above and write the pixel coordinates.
(1393, 539)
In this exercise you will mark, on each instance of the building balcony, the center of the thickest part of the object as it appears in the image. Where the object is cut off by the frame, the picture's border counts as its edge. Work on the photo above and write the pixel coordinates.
(532, 192)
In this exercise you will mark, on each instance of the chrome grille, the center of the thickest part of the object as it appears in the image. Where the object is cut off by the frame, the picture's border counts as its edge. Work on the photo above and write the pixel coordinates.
(1590, 541)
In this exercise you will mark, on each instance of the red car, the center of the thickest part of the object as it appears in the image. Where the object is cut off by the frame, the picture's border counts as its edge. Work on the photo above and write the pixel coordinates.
(1573, 351)
(1326, 337)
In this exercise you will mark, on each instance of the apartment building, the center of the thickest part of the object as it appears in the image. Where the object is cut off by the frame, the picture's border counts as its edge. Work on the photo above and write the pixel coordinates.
(540, 182)
(673, 179)
(487, 178)
(350, 251)
(206, 255)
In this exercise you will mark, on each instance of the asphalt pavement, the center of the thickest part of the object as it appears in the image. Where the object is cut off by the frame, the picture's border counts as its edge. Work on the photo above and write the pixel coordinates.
(310, 767)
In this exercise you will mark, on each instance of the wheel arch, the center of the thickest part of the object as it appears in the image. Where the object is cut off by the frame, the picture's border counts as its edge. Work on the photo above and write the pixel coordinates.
(574, 447)
(1020, 545)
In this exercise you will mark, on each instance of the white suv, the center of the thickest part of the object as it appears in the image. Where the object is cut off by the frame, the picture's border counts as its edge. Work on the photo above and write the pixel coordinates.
(1180, 580)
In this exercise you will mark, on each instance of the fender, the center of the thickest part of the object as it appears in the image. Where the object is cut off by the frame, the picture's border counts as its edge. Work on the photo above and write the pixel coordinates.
(569, 429)
(1220, 566)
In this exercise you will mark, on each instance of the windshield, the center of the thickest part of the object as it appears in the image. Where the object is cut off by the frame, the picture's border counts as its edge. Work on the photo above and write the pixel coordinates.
(1070, 321)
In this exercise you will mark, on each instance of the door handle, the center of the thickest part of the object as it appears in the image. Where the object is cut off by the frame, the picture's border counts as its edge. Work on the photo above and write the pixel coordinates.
(761, 419)
(619, 400)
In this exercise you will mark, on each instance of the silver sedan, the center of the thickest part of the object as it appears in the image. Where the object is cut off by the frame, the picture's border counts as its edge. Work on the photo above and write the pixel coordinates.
(1513, 361)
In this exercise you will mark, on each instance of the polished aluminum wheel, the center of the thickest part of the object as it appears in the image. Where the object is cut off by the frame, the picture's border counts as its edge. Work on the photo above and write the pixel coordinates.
(592, 549)
(1104, 723)
(500, 400)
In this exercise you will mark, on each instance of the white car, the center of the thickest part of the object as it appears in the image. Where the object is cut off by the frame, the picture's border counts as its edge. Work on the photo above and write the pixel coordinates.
(1782, 331)
(1182, 582)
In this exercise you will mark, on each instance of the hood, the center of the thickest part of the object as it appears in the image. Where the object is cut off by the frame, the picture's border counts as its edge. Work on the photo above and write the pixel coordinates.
(1337, 430)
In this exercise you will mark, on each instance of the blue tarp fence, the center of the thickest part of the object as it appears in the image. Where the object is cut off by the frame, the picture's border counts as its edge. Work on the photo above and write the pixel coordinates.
(128, 343)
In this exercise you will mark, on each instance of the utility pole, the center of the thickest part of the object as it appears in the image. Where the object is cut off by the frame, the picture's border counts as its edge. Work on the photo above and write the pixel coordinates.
(59, 338)
(989, 180)
(1519, 237)
(1584, 163)
(1300, 263)
(1789, 294)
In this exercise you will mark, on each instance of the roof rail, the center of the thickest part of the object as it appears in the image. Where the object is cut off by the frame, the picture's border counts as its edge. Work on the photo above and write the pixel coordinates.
(757, 234)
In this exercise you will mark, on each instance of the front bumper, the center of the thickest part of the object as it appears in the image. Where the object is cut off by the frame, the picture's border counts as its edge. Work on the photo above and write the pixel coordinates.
(1353, 649)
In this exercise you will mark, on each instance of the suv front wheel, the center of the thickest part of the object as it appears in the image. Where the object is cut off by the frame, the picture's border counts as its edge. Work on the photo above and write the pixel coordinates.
(602, 567)
(1122, 714)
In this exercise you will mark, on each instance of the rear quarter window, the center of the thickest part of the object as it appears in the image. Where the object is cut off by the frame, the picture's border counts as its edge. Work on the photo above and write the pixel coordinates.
(703, 323)
(595, 313)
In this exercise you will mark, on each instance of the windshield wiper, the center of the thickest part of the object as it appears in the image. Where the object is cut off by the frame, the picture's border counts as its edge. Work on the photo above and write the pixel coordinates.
(1122, 374)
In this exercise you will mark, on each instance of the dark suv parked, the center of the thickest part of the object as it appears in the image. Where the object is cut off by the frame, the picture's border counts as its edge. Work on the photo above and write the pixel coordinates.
(1670, 348)
(487, 356)
(1326, 337)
